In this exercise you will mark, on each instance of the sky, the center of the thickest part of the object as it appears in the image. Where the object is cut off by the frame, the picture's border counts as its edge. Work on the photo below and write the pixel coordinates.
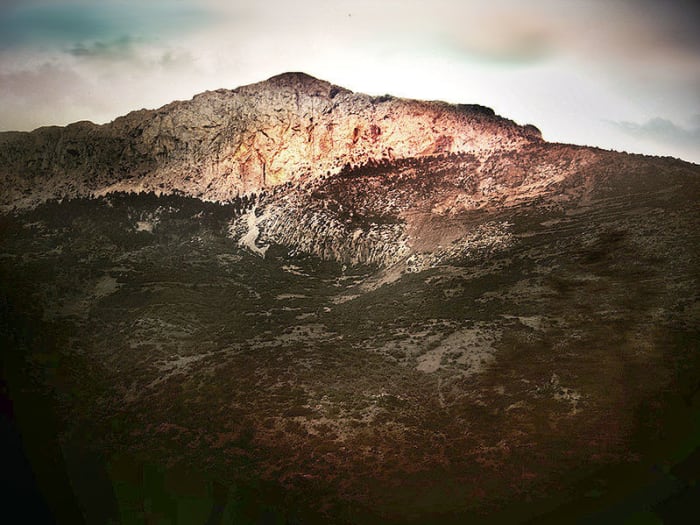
(618, 74)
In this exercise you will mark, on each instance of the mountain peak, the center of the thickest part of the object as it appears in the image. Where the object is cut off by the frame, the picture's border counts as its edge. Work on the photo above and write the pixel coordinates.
(293, 76)
(297, 81)
(225, 143)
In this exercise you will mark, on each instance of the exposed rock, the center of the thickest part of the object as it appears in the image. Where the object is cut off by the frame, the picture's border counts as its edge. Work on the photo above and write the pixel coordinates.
(416, 213)
(224, 143)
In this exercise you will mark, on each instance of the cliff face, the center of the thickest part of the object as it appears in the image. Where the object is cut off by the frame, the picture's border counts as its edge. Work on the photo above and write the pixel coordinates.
(223, 143)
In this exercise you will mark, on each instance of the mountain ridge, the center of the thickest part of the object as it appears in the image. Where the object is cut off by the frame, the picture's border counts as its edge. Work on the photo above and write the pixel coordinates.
(225, 143)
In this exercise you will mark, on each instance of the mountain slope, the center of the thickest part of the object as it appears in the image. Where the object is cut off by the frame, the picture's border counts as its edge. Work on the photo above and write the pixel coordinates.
(415, 213)
(482, 328)
(547, 354)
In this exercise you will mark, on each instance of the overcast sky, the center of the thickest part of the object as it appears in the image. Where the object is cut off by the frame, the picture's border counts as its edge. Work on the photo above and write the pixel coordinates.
(620, 74)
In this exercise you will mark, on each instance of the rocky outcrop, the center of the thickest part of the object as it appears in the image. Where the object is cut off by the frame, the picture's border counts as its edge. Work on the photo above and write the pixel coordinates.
(416, 213)
(229, 142)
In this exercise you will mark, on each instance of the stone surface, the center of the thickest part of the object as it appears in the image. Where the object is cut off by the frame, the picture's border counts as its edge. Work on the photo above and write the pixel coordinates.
(224, 143)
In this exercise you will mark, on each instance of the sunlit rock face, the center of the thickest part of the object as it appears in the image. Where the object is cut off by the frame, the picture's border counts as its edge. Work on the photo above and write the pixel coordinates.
(225, 143)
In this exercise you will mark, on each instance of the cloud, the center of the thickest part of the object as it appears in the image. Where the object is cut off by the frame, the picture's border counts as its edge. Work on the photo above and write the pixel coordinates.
(96, 82)
(676, 20)
(522, 44)
(661, 136)
(68, 25)
(61, 62)
(37, 97)
(664, 130)
(118, 48)
(621, 37)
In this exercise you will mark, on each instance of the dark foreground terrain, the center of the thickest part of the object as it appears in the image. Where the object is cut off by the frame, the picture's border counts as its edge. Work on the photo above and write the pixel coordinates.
(160, 371)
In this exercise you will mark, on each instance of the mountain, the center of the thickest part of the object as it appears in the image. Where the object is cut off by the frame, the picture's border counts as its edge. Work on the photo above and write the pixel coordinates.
(224, 143)
(290, 303)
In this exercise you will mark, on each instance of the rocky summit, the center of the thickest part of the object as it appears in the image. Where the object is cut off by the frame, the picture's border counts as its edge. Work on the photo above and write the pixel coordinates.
(226, 143)
(291, 303)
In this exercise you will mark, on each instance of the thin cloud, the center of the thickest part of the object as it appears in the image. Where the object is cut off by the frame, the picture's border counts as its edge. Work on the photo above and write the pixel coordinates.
(662, 136)
(121, 48)
(623, 37)
(663, 130)
(520, 44)
(38, 97)
(96, 83)
(67, 25)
